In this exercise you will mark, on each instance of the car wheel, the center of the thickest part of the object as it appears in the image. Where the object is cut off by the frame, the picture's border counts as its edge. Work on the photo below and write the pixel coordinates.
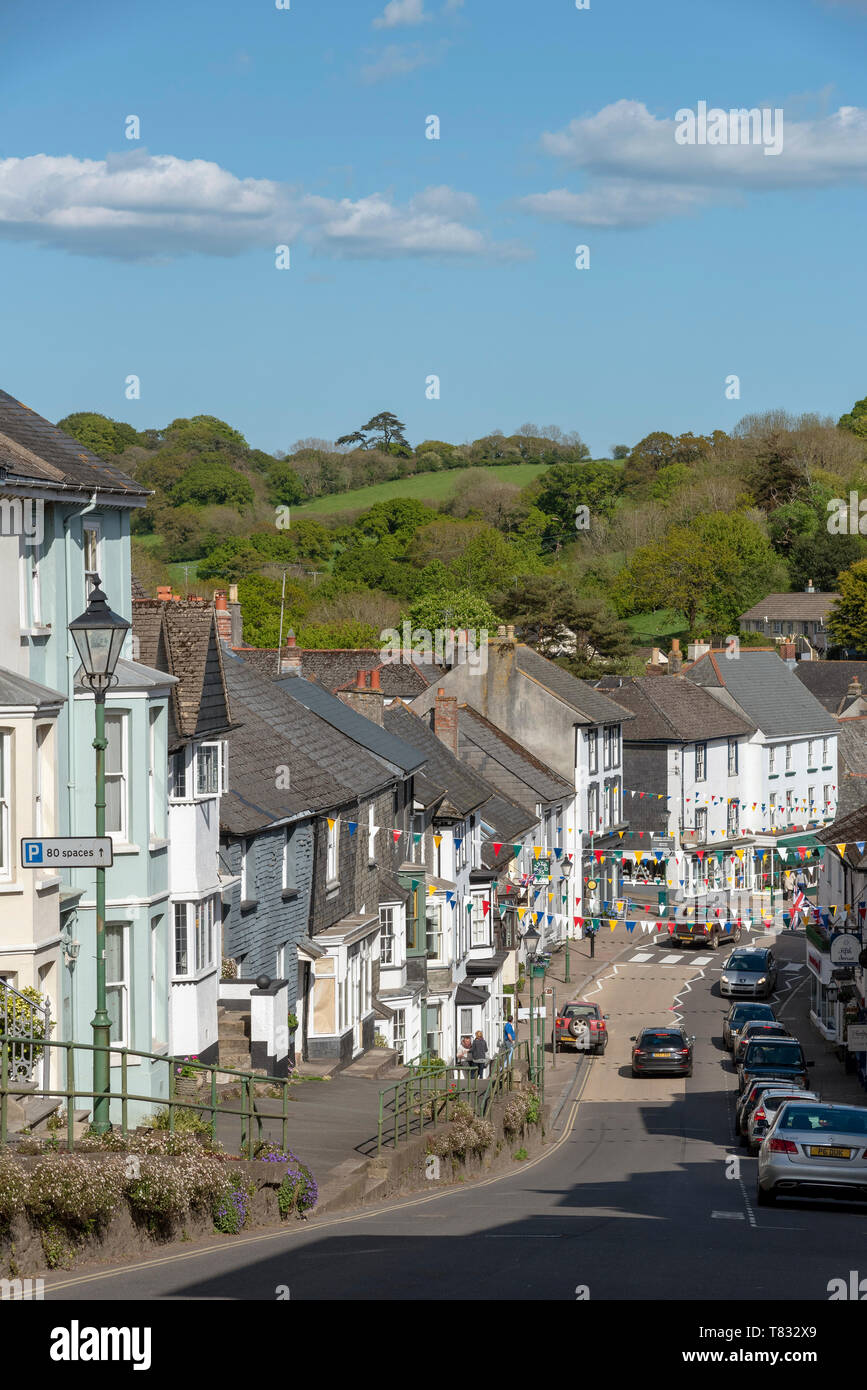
(764, 1196)
(714, 939)
(737, 935)
(689, 1072)
(635, 1072)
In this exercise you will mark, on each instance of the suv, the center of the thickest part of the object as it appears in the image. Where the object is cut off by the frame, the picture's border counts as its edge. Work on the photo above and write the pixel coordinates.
(783, 1057)
(582, 1026)
(749, 973)
(757, 1028)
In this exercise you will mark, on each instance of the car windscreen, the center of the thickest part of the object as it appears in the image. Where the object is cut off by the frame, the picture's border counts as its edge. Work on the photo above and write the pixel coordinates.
(769, 1054)
(748, 963)
(662, 1040)
(772, 1102)
(579, 1011)
(762, 1027)
(823, 1118)
(744, 1013)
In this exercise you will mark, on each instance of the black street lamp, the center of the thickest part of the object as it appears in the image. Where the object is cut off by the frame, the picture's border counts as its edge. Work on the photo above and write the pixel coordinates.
(566, 869)
(99, 636)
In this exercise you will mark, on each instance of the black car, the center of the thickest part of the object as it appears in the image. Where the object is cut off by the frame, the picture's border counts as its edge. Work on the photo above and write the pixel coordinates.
(664, 1050)
(742, 1013)
(781, 1057)
(757, 1028)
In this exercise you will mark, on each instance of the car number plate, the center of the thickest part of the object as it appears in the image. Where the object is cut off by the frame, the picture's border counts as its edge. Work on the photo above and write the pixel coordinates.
(823, 1151)
(662, 1054)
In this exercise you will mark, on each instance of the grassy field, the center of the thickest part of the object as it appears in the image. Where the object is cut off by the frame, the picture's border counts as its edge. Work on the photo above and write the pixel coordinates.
(434, 487)
(657, 628)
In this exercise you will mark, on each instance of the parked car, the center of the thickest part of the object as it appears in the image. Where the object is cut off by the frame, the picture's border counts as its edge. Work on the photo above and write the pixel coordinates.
(662, 1050)
(738, 1015)
(749, 973)
(782, 1057)
(814, 1148)
(581, 1026)
(762, 1114)
(757, 1028)
(752, 1094)
(705, 935)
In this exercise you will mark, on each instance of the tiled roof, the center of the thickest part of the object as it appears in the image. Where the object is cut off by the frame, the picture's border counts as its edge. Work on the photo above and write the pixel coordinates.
(830, 680)
(580, 696)
(377, 741)
(851, 765)
(796, 607)
(275, 731)
(464, 790)
(513, 770)
(34, 450)
(767, 691)
(511, 823)
(673, 709)
(181, 637)
(138, 589)
(847, 829)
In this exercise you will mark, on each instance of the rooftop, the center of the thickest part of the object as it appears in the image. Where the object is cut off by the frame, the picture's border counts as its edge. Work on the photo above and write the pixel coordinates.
(799, 606)
(35, 452)
(767, 691)
(673, 709)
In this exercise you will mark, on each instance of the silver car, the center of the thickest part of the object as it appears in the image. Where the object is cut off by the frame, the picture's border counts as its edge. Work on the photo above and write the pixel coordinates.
(762, 1113)
(749, 973)
(814, 1148)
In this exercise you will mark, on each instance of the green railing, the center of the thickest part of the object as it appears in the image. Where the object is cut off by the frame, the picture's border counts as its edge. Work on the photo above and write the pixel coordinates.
(70, 1093)
(429, 1096)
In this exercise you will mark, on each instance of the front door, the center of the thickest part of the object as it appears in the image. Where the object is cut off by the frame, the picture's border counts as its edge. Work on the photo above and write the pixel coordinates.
(355, 997)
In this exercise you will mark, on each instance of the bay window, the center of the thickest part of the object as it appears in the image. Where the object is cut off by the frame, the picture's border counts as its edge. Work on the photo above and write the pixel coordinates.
(117, 981)
(116, 774)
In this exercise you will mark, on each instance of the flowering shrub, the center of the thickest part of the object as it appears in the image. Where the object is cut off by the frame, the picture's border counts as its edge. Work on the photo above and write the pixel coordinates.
(466, 1134)
(228, 969)
(166, 1186)
(75, 1193)
(231, 1207)
(524, 1107)
(298, 1192)
(186, 1070)
(189, 1121)
(12, 1189)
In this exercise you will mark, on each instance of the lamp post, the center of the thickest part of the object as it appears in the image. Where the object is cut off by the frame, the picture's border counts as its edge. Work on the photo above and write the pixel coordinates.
(98, 636)
(566, 869)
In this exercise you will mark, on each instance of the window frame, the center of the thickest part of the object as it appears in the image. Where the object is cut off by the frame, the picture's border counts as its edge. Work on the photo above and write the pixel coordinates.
(90, 527)
(733, 757)
(593, 750)
(332, 852)
(215, 746)
(123, 984)
(120, 716)
(5, 805)
(701, 762)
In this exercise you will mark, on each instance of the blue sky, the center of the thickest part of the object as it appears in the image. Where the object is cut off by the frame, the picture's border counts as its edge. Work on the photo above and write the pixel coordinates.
(413, 257)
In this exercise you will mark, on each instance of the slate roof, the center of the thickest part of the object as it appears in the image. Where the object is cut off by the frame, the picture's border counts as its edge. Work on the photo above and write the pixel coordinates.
(847, 830)
(511, 823)
(829, 680)
(512, 769)
(326, 768)
(586, 701)
(796, 607)
(767, 691)
(138, 589)
(364, 732)
(181, 638)
(19, 691)
(674, 709)
(464, 791)
(34, 451)
(337, 668)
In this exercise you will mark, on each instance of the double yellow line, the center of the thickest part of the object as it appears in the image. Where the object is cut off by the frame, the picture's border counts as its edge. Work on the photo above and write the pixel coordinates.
(303, 1229)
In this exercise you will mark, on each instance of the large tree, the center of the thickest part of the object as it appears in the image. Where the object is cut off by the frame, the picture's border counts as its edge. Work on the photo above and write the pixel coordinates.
(855, 420)
(552, 616)
(848, 618)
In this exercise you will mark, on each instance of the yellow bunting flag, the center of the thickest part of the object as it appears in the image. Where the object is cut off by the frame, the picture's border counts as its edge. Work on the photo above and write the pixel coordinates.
(437, 839)
(841, 849)
(537, 850)
(612, 922)
(331, 822)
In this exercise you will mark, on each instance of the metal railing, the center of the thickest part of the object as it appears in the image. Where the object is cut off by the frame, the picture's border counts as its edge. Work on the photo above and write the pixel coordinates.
(430, 1095)
(25, 1024)
(214, 1106)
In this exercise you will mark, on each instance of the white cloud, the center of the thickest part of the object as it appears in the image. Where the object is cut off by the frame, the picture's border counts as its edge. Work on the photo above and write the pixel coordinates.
(638, 174)
(399, 12)
(146, 207)
(396, 60)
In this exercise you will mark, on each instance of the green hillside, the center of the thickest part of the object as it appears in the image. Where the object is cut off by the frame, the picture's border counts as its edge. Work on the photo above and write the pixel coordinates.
(423, 487)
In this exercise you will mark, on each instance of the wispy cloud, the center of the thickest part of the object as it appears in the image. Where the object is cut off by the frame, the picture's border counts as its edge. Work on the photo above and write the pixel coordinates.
(636, 174)
(396, 60)
(399, 12)
(142, 207)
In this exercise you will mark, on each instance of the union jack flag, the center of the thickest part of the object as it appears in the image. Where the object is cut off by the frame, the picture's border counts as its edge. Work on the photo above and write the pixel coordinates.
(798, 901)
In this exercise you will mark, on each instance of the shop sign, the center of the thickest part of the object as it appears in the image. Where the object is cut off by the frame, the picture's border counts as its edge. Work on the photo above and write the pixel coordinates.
(845, 949)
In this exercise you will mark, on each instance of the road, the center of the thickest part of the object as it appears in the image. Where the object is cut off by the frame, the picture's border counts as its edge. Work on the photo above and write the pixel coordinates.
(639, 1196)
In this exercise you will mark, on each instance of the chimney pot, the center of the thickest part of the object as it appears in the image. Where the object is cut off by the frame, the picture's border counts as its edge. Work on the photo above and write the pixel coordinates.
(510, 631)
(290, 640)
(164, 591)
(374, 680)
(233, 593)
(361, 680)
(220, 603)
(446, 720)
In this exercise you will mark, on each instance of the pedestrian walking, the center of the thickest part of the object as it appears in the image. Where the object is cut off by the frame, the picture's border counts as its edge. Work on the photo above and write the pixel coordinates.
(478, 1054)
(509, 1037)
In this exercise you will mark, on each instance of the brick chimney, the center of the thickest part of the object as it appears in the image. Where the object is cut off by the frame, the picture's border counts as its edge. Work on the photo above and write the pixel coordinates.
(235, 617)
(446, 720)
(363, 698)
(290, 659)
(675, 659)
(224, 622)
(854, 691)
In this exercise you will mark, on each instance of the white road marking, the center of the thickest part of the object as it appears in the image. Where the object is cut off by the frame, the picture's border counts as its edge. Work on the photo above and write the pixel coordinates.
(671, 960)
(728, 1215)
(793, 965)
(640, 958)
(702, 960)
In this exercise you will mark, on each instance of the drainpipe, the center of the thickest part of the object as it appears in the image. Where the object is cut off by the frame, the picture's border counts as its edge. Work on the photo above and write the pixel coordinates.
(71, 657)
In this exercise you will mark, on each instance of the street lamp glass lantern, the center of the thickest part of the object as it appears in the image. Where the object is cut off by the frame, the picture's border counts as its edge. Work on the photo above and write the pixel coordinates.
(531, 938)
(99, 635)
(566, 867)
